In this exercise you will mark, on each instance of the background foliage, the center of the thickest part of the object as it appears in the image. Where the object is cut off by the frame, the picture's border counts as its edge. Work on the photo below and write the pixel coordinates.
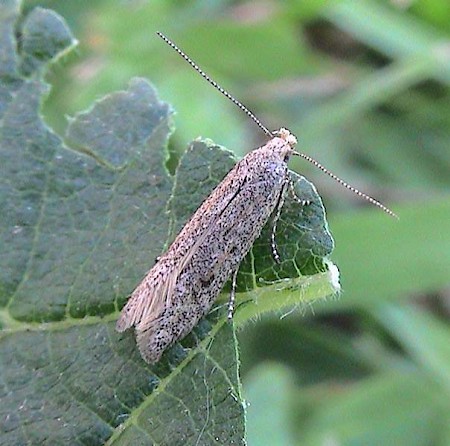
(365, 87)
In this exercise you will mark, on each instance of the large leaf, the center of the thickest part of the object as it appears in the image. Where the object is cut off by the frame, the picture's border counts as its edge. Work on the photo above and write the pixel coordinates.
(81, 225)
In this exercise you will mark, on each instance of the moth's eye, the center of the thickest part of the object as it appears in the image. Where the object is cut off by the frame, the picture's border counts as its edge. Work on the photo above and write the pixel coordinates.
(286, 157)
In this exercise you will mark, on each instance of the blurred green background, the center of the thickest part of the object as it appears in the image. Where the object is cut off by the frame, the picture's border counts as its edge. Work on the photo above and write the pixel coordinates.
(365, 87)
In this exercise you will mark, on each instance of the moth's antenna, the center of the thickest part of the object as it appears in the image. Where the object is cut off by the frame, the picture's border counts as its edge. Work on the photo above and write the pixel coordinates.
(267, 131)
(216, 85)
(346, 185)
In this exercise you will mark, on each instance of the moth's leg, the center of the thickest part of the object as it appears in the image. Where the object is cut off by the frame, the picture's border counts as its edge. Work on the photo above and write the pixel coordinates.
(278, 207)
(294, 195)
(232, 300)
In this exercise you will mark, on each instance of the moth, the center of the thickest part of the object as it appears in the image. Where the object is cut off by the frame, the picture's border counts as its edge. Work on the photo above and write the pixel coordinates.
(186, 280)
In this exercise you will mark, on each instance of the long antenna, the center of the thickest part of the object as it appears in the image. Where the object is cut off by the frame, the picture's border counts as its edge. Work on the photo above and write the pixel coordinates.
(268, 132)
(216, 85)
(346, 185)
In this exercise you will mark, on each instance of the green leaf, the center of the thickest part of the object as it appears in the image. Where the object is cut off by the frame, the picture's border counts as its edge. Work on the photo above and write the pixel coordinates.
(82, 224)
(396, 262)
(425, 337)
(45, 37)
(268, 412)
(406, 38)
(391, 408)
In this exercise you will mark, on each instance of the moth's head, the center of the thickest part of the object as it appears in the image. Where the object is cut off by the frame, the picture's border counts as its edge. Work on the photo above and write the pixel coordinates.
(287, 136)
(285, 147)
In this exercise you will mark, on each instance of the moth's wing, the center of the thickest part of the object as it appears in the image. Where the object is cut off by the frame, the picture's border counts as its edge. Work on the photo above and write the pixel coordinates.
(153, 295)
(146, 299)
(155, 292)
